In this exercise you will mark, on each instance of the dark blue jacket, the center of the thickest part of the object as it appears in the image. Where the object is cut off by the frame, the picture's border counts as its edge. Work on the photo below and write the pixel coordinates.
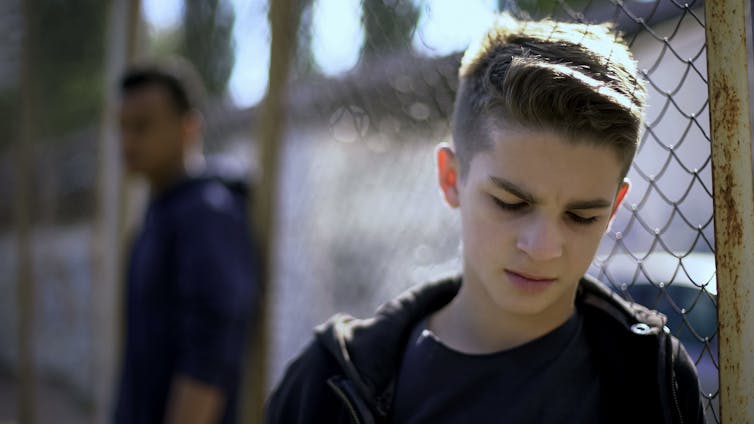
(191, 291)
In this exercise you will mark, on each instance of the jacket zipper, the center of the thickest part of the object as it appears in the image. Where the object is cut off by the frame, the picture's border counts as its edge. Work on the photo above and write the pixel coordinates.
(347, 401)
(675, 400)
(673, 381)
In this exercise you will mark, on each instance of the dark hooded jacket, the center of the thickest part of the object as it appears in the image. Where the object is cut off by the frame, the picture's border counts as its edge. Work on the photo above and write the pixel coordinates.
(347, 374)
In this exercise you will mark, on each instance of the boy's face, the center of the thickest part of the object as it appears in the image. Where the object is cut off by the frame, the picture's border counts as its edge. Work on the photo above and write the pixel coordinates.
(533, 211)
(154, 135)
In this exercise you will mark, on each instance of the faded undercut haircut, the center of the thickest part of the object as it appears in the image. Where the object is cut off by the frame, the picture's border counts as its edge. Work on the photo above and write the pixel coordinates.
(575, 80)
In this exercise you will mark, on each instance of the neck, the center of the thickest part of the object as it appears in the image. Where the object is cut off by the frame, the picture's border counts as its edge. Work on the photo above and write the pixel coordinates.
(166, 177)
(472, 323)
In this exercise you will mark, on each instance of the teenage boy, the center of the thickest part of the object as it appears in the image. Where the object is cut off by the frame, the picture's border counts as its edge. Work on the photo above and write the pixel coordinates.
(545, 126)
(191, 279)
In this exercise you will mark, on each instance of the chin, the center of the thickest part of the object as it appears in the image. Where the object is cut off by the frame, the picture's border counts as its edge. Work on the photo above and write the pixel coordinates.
(523, 307)
(505, 299)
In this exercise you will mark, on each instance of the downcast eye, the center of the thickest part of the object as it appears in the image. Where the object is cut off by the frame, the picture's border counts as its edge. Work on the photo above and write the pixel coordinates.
(510, 206)
(582, 220)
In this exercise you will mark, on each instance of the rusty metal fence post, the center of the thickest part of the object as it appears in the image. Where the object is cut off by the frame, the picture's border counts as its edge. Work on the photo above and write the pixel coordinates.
(283, 16)
(734, 204)
(108, 245)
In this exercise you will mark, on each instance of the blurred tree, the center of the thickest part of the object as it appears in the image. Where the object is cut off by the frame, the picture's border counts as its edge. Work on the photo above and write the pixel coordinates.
(25, 282)
(208, 41)
(303, 64)
(11, 27)
(388, 25)
(9, 98)
(542, 8)
(67, 61)
(165, 42)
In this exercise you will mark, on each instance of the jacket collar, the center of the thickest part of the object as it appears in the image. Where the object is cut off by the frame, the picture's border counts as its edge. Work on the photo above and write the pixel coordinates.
(593, 293)
(370, 350)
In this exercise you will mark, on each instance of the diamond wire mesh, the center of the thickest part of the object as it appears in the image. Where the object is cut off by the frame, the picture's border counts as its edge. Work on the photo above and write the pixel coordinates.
(362, 219)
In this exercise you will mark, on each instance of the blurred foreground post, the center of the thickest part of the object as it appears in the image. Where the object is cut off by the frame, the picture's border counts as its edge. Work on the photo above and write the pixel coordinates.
(284, 18)
(25, 279)
(734, 204)
(108, 242)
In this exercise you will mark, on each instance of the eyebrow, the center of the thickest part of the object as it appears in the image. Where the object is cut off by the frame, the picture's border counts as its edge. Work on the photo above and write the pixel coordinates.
(519, 192)
(513, 189)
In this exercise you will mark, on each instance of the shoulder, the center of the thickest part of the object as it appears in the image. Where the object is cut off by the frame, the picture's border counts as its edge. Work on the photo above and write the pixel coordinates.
(208, 197)
(303, 392)
(205, 208)
(685, 382)
(651, 360)
(607, 310)
(364, 353)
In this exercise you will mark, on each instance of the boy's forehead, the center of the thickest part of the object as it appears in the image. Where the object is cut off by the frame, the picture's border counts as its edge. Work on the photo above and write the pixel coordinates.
(522, 143)
(543, 161)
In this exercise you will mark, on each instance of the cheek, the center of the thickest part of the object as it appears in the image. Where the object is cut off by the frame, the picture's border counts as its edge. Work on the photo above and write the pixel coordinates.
(486, 235)
(583, 247)
(163, 142)
(141, 141)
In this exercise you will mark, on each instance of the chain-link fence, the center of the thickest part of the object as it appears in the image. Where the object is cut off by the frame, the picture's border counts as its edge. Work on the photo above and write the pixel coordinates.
(362, 217)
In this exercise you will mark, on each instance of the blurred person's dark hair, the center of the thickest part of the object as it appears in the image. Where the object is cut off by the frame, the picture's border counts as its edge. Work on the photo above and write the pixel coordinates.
(577, 80)
(175, 75)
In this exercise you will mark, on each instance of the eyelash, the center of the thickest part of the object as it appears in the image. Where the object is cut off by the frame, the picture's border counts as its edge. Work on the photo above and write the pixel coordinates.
(518, 207)
(581, 220)
(509, 206)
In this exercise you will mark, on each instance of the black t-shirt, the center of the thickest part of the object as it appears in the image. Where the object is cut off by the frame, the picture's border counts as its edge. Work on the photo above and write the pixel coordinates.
(548, 380)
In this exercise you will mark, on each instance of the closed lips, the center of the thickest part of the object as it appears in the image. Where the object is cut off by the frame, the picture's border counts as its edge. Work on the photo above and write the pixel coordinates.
(531, 276)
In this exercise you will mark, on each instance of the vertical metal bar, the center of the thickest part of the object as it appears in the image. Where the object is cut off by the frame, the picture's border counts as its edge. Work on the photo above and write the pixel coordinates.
(25, 281)
(107, 245)
(284, 19)
(734, 204)
(134, 36)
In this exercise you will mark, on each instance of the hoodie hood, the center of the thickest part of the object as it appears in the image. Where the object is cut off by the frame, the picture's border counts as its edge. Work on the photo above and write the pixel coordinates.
(369, 350)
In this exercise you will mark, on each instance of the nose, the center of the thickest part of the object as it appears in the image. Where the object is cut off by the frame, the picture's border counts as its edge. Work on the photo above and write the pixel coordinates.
(541, 239)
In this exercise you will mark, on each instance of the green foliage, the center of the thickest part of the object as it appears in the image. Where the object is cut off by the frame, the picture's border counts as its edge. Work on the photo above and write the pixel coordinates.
(66, 53)
(388, 25)
(304, 63)
(166, 42)
(208, 41)
(9, 112)
(543, 8)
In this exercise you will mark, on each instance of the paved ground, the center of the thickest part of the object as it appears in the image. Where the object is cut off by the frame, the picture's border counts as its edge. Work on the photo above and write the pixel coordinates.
(54, 404)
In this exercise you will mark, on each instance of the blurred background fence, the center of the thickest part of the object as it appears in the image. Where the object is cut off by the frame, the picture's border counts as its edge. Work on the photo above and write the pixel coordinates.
(359, 217)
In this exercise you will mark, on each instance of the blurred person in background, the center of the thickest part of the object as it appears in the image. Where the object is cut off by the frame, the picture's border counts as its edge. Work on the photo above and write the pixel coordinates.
(191, 284)
(545, 126)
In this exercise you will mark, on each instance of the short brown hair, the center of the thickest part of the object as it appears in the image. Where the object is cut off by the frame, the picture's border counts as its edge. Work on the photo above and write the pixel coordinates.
(175, 75)
(574, 79)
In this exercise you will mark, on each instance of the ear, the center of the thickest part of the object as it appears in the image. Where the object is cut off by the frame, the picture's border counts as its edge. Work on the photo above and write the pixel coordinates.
(622, 191)
(448, 174)
(192, 127)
